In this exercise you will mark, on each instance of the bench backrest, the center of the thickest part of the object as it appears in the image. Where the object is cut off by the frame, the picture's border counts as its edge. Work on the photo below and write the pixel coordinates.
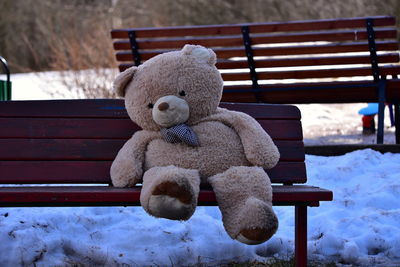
(75, 141)
(282, 60)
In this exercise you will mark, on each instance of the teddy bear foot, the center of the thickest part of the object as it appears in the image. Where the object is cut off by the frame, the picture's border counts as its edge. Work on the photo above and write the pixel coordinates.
(263, 226)
(170, 192)
(244, 196)
(171, 201)
(254, 236)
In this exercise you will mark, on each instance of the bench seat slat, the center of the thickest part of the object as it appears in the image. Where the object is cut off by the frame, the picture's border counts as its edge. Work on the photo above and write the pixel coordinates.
(110, 196)
(178, 43)
(296, 62)
(112, 128)
(236, 40)
(67, 128)
(306, 61)
(115, 108)
(97, 172)
(278, 51)
(309, 74)
(331, 36)
(310, 25)
(324, 48)
(327, 92)
(98, 149)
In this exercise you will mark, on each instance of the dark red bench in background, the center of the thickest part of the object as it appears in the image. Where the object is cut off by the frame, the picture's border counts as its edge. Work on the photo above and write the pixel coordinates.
(74, 142)
(353, 60)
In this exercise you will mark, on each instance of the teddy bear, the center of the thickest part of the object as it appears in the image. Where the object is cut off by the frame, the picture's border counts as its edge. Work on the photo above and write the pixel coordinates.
(187, 140)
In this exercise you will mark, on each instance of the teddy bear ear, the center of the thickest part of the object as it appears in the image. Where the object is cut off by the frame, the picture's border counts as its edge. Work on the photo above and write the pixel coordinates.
(201, 53)
(122, 80)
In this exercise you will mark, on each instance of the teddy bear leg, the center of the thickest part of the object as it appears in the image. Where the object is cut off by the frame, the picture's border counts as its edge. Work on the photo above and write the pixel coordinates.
(244, 196)
(170, 192)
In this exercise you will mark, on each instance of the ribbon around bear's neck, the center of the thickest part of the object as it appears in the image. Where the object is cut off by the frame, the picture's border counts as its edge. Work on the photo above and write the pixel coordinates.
(180, 133)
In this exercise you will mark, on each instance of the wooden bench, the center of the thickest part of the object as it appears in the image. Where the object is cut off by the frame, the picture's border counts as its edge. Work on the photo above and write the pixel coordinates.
(353, 60)
(73, 142)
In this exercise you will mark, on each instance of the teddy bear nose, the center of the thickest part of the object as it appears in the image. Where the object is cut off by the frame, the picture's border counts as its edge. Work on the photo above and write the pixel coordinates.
(163, 106)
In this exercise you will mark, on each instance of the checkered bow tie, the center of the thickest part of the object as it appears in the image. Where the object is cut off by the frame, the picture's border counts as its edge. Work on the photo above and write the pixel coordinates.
(180, 133)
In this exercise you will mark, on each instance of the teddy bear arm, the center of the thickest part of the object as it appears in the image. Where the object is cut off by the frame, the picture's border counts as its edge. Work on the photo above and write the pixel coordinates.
(261, 150)
(258, 146)
(127, 168)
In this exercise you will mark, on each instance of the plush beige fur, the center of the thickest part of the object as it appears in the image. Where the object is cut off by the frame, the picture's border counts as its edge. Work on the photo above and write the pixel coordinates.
(161, 199)
(231, 156)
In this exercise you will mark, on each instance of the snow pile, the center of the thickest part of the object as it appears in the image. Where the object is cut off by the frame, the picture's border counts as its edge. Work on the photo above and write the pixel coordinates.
(361, 226)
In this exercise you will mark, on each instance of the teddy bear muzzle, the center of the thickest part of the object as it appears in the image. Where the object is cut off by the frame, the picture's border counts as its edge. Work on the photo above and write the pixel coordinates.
(170, 110)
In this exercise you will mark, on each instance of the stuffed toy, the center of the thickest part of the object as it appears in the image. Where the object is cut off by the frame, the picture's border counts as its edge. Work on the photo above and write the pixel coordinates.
(186, 139)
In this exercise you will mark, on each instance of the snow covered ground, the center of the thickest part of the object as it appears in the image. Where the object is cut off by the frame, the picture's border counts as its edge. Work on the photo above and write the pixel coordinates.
(36, 86)
(360, 227)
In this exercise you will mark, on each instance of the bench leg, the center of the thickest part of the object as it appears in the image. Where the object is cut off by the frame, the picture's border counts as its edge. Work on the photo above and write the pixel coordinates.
(381, 110)
(397, 121)
(300, 243)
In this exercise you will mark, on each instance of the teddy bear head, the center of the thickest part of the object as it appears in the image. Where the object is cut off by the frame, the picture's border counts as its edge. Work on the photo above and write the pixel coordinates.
(171, 88)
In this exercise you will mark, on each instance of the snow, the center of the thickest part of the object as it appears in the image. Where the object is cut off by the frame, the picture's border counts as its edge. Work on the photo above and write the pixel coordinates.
(339, 124)
(37, 86)
(360, 227)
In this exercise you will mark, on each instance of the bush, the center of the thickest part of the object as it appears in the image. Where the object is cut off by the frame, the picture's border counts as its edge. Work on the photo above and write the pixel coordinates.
(74, 35)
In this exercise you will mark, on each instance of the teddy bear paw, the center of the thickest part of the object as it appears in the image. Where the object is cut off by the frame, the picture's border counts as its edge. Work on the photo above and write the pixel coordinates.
(261, 226)
(255, 236)
(172, 201)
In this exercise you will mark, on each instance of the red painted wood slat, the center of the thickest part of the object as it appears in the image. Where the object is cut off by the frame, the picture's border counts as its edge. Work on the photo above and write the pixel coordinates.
(308, 61)
(97, 172)
(77, 108)
(66, 128)
(112, 128)
(299, 93)
(236, 40)
(310, 25)
(311, 74)
(98, 149)
(115, 108)
(278, 51)
(111, 196)
(296, 62)
(43, 172)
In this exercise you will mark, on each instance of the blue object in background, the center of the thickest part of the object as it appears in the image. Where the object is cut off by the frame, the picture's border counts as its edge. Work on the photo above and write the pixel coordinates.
(371, 109)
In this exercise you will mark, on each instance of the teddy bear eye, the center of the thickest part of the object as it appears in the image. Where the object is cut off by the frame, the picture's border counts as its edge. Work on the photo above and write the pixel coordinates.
(182, 93)
(150, 105)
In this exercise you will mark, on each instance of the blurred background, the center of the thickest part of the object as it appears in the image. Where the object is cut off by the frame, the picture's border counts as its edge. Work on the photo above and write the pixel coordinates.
(42, 35)
(63, 49)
